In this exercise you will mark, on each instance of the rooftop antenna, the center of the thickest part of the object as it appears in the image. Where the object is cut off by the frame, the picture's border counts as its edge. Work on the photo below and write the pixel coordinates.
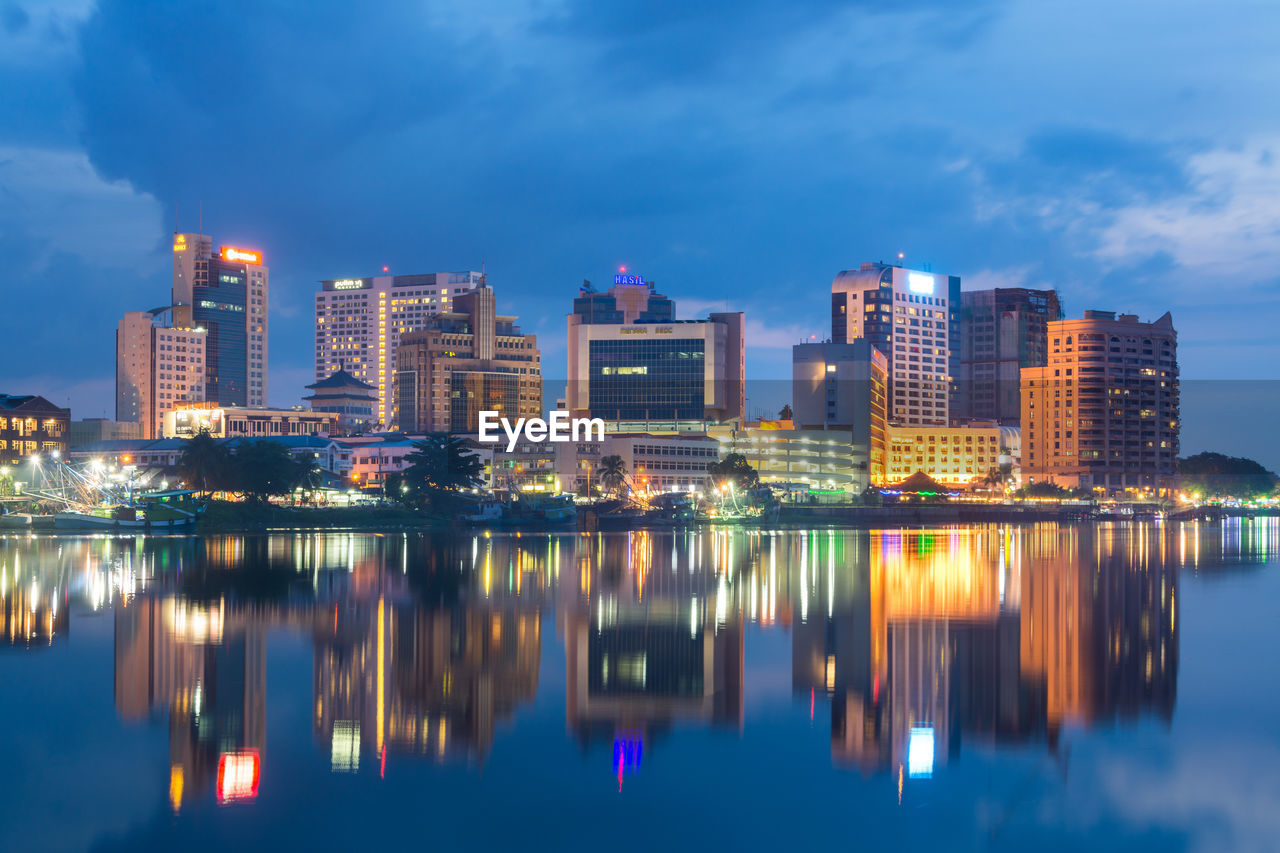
(201, 216)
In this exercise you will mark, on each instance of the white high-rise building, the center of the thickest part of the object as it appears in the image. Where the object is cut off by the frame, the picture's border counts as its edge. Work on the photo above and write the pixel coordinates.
(359, 322)
(158, 366)
(911, 317)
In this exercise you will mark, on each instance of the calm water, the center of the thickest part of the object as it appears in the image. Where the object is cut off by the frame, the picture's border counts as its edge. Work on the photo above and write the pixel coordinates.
(960, 688)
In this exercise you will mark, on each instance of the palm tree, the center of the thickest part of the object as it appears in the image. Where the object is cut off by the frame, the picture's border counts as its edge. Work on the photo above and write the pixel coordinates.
(613, 473)
(440, 464)
(204, 462)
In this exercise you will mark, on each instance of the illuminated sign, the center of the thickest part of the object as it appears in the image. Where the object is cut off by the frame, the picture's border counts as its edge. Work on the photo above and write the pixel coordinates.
(349, 284)
(919, 282)
(628, 279)
(920, 752)
(237, 776)
(180, 243)
(245, 256)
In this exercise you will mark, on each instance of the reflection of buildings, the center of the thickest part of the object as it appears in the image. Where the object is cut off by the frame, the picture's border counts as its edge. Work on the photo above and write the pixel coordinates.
(941, 635)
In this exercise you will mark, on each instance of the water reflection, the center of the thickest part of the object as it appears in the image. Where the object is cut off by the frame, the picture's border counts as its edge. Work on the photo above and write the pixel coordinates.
(913, 643)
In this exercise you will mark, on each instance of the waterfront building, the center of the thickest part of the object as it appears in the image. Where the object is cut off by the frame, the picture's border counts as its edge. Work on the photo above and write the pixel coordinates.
(465, 361)
(1103, 414)
(631, 362)
(359, 322)
(225, 293)
(160, 364)
(952, 456)
(1002, 330)
(843, 389)
(31, 426)
(186, 420)
(354, 401)
(89, 430)
(912, 317)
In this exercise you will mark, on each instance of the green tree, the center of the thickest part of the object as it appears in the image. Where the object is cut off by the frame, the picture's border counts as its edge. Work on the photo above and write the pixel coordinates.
(785, 414)
(1218, 475)
(204, 463)
(438, 467)
(261, 469)
(735, 469)
(613, 473)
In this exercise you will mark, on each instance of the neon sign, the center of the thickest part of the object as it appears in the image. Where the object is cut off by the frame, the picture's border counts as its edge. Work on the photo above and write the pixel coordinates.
(348, 284)
(628, 279)
(246, 256)
(919, 282)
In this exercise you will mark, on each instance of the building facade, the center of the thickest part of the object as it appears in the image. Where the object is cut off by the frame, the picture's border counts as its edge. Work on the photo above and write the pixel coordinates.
(631, 361)
(912, 317)
(354, 402)
(160, 365)
(844, 388)
(1103, 414)
(359, 322)
(463, 362)
(226, 293)
(242, 422)
(30, 427)
(1002, 330)
(89, 430)
(956, 457)
(798, 459)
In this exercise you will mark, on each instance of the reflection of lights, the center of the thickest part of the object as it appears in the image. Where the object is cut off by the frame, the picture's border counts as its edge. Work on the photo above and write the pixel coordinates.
(920, 752)
(175, 786)
(238, 776)
(344, 752)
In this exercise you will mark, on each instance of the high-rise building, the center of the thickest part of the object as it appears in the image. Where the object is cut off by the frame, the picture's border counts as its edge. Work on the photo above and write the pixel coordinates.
(630, 361)
(911, 317)
(158, 366)
(359, 322)
(1002, 330)
(844, 387)
(463, 362)
(1103, 413)
(226, 294)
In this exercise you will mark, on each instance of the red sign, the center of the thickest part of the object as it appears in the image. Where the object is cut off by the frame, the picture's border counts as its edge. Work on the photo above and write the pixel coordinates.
(243, 256)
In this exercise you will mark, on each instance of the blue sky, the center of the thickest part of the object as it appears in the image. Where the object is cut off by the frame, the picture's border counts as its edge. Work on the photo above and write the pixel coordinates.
(737, 153)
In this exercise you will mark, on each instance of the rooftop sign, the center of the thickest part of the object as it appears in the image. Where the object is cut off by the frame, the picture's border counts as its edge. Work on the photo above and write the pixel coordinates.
(628, 279)
(244, 256)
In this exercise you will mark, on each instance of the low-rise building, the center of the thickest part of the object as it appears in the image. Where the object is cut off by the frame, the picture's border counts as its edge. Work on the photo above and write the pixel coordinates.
(354, 402)
(955, 456)
(31, 426)
(239, 422)
(806, 459)
(89, 430)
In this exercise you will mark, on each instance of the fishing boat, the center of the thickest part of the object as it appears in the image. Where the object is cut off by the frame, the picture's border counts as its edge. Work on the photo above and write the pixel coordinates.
(153, 512)
(541, 509)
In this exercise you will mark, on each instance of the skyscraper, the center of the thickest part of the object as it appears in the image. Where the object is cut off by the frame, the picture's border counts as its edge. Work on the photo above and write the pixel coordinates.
(226, 294)
(359, 322)
(1002, 330)
(631, 361)
(911, 317)
(158, 365)
(463, 362)
(1103, 413)
(843, 387)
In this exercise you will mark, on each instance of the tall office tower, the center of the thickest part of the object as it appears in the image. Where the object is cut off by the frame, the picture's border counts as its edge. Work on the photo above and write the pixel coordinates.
(463, 362)
(158, 366)
(359, 322)
(844, 387)
(225, 293)
(631, 361)
(1103, 413)
(912, 318)
(1002, 330)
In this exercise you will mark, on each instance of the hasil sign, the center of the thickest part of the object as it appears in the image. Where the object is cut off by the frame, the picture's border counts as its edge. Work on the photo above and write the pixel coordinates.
(242, 256)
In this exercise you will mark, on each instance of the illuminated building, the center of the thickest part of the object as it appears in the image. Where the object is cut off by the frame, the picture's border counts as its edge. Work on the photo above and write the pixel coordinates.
(159, 365)
(186, 420)
(354, 401)
(359, 322)
(225, 293)
(632, 363)
(30, 426)
(952, 456)
(912, 317)
(465, 361)
(1002, 330)
(1104, 412)
(808, 459)
(843, 388)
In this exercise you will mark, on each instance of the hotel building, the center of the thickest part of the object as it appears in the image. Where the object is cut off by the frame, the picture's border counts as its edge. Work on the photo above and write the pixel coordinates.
(463, 362)
(1103, 413)
(912, 317)
(359, 322)
(952, 456)
(226, 294)
(632, 363)
(159, 365)
(1002, 330)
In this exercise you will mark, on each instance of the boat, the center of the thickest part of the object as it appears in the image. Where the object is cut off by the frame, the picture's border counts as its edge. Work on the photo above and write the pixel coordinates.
(153, 512)
(541, 508)
(25, 522)
(487, 511)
